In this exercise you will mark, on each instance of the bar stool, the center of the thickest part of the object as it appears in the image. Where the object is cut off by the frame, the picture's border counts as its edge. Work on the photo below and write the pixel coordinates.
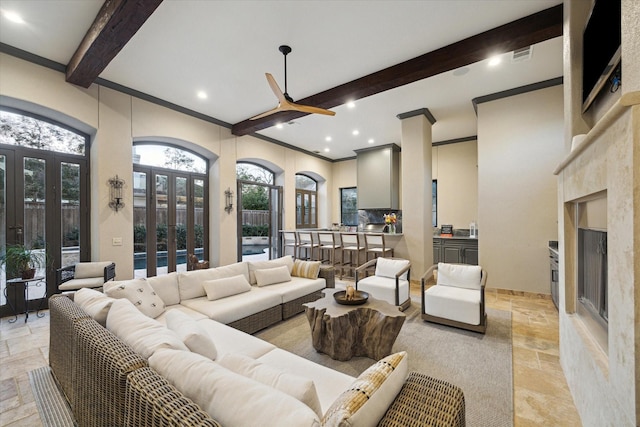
(309, 244)
(328, 243)
(290, 240)
(375, 245)
(350, 245)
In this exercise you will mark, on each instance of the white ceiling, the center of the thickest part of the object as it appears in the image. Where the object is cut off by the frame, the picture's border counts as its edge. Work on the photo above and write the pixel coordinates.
(225, 47)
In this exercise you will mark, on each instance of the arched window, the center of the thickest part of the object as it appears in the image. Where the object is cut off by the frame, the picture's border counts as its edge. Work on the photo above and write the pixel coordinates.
(170, 196)
(44, 194)
(306, 202)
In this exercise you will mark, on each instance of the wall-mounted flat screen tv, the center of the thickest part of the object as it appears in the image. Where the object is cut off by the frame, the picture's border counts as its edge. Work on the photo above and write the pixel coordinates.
(601, 48)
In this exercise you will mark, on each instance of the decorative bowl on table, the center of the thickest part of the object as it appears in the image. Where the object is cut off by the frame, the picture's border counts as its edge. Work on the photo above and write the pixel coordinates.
(359, 298)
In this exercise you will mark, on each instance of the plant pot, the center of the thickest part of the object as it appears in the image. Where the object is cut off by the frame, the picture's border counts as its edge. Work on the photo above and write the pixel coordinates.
(29, 274)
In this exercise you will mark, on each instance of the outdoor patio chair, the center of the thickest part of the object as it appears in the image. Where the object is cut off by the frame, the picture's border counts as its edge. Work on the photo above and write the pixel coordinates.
(85, 275)
(390, 281)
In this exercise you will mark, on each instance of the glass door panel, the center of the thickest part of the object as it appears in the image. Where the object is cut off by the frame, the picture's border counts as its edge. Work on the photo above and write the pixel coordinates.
(162, 223)
(4, 220)
(181, 221)
(276, 223)
(198, 218)
(35, 214)
(70, 213)
(140, 224)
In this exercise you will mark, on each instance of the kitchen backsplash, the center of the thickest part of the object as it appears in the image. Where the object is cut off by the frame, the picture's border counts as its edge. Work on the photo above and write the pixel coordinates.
(376, 216)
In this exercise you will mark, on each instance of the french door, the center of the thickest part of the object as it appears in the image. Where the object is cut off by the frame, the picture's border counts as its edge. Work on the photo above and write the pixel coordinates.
(170, 219)
(259, 229)
(43, 206)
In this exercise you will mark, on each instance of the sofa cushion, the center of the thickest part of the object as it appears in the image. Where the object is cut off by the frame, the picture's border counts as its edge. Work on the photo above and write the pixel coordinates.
(261, 265)
(166, 286)
(143, 334)
(329, 383)
(94, 303)
(86, 270)
(141, 294)
(450, 302)
(190, 282)
(235, 307)
(367, 400)
(73, 284)
(231, 340)
(384, 288)
(297, 287)
(387, 267)
(192, 334)
(231, 399)
(179, 307)
(227, 286)
(460, 276)
(271, 276)
(294, 385)
(306, 269)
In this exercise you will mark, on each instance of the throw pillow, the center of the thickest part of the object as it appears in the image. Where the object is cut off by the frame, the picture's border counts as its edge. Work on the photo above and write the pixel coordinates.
(272, 263)
(142, 334)
(271, 276)
(387, 267)
(94, 303)
(166, 286)
(296, 386)
(87, 270)
(367, 400)
(306, 269)
(460, 276)
(220, 288)
(191, 333)
(190, 283)
(141, 294)
(231, 399)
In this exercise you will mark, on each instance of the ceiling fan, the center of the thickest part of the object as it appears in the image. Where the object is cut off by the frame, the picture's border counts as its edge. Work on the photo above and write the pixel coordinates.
(285, 102)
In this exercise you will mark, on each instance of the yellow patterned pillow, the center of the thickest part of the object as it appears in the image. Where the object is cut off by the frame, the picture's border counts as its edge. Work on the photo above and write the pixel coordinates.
(306, 269)
(367, 400)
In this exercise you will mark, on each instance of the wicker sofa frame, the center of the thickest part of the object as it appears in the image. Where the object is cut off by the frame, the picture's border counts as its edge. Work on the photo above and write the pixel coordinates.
(108, 384)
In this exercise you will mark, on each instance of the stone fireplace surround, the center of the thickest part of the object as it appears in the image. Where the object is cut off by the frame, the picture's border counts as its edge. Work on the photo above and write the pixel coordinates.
(604, 383)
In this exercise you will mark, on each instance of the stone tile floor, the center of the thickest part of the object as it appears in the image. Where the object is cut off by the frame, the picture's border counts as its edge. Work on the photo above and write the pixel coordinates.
(541, 395)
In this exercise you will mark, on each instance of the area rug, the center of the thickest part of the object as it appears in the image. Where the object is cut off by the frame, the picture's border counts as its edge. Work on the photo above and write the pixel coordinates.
(479, 364)
(52, 406)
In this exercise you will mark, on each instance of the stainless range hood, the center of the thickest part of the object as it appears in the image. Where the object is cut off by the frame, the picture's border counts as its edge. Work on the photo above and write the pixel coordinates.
(378, 177)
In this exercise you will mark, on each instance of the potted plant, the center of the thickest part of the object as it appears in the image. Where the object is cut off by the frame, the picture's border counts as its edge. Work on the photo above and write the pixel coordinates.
(21, 261)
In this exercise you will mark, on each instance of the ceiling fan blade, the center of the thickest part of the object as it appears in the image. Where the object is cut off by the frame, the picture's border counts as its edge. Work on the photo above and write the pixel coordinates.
(311, 110)
(275, 88)
(267, 113)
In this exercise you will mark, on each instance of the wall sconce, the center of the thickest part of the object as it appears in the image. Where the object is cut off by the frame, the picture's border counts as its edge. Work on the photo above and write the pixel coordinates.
(228, 198)
(115, 193)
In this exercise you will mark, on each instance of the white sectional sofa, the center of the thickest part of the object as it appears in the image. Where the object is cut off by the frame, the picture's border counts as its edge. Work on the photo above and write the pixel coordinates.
(262, 299)
(119, 366)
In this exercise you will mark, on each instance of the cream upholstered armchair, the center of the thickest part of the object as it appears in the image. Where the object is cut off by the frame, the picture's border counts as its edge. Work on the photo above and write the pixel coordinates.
(457, 298)
(390, 281)
(85, 275)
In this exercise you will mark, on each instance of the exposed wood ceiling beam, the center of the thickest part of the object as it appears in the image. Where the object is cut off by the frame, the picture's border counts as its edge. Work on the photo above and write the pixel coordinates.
(114, 26)
(524, 32)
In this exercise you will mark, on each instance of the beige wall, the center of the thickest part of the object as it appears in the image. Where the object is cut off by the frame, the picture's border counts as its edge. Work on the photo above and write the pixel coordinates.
(455, 166)
(115, 120)
(517, 196)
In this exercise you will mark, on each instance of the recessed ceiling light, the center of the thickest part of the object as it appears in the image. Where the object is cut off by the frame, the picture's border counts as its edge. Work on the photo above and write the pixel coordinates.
(326, 150)
(495, 60)
(202, 94)
(328, 139)
(371, 141)
(279, 126)
(351, 104)
(355, 132)
(13, 17)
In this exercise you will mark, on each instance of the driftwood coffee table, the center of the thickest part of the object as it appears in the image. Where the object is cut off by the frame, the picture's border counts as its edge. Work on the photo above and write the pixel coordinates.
(345, 331)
